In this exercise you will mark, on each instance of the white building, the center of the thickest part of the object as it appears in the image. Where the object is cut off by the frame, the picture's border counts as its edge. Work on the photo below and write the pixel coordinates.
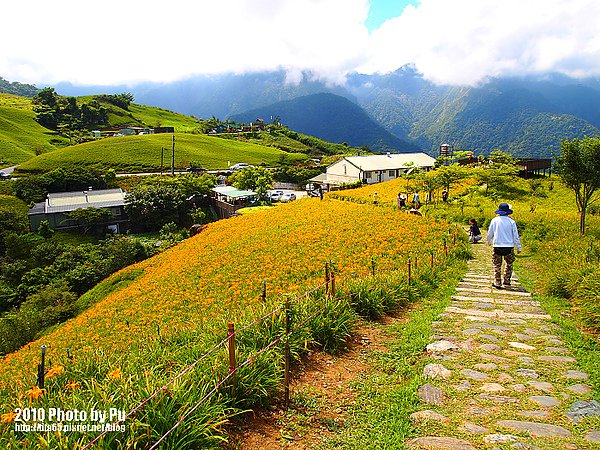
(373, 168)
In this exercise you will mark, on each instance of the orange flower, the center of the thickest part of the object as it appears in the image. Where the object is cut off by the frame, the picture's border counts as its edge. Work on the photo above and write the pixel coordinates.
(8, 417)
(35, 392)
(73, 385)
(55, 371)
(115, 374)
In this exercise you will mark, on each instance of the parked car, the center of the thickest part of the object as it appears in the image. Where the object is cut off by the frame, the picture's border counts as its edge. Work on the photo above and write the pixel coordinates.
(5, 176)
(276, 196)
(240, 166)
(287, 197)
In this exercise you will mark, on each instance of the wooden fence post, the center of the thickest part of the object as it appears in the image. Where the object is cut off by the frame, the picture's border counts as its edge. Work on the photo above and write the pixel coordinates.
(332, 284)
(416, 262)
(409, 271)
(288, 327)
(41, 369)
(326, 278)
(264, 291)
(232, 364)
(432, 259)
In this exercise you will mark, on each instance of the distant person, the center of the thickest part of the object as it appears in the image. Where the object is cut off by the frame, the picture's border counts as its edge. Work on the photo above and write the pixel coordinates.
(445, 195)
(401, 200)
(503, 236)
(415, 201)
(474, 232)
(375, 198)
(415, 211)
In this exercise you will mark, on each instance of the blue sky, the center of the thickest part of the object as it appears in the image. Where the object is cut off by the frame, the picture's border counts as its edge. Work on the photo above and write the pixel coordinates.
(458, 42)
(382, 10)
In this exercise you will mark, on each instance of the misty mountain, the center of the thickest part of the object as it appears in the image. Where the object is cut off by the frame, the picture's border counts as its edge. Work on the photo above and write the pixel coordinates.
(332, 118)
(528, 116)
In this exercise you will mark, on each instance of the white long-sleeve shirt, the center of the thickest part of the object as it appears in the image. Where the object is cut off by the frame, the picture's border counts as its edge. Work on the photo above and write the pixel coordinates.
(503, 232)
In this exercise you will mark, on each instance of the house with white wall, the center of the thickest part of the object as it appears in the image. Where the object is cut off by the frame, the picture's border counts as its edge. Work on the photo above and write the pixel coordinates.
(373, 168)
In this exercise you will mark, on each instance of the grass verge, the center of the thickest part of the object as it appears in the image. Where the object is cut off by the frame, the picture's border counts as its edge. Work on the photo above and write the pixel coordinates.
(387, 396)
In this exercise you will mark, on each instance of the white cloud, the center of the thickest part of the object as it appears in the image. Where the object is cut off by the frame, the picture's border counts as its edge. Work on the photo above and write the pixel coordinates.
(466, 41)
(458, 41)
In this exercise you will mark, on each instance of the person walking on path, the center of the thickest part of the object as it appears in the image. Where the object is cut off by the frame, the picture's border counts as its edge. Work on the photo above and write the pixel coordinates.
(416, 201)
(504, 237)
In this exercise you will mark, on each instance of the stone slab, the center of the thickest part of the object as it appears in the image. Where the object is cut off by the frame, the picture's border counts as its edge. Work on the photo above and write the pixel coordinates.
(560, 359)
(521, 346)
(439, 442)
(580, 410)
(576, 375)
(498, 313)
(593, 436)
(543, 386)
(431, 394)
(474, 374)
(436, 371)
(472, 428)
(535, 428)
(498, 398)
(442, 346)
(529, 373)
(545, 401)
(424, 416)
(579, 388)
(500, 301)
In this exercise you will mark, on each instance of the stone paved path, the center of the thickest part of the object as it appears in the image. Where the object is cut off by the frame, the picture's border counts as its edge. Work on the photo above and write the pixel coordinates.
(499, 376)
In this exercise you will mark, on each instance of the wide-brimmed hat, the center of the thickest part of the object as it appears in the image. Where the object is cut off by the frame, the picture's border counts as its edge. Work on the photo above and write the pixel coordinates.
(504, 209)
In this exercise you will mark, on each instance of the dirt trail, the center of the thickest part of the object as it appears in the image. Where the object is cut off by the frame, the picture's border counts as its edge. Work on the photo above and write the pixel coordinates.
(321, 391)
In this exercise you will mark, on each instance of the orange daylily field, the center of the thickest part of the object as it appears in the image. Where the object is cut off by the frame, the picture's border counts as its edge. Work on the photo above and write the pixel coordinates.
(212, 278)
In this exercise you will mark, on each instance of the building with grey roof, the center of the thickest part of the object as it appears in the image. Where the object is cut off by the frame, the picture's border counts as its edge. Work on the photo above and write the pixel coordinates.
(58, 205)
(373, 168)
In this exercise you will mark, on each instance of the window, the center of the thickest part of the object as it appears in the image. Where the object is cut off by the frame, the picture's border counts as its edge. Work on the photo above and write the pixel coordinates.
(392, 173)
(368, 175)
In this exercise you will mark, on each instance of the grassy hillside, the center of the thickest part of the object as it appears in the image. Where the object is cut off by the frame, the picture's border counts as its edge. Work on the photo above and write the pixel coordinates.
(20, 136)
(140, 335)
(142, 115)
(143, 153)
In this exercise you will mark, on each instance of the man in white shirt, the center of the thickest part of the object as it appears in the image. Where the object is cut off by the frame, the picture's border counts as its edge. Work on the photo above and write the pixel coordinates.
(503, 236)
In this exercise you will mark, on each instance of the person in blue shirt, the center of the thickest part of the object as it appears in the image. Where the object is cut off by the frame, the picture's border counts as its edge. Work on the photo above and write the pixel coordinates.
(504, 237)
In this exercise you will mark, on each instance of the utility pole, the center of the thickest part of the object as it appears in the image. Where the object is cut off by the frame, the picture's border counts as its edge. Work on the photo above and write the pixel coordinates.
(162, 159)
(173, 157)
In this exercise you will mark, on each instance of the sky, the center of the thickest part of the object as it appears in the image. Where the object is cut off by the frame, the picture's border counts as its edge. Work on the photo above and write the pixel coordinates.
(459, 42)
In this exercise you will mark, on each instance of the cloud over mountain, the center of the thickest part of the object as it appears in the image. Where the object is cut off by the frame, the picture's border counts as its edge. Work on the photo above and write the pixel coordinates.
(456, 42)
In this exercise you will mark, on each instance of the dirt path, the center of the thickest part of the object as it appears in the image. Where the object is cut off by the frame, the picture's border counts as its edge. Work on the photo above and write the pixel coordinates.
(321, 391)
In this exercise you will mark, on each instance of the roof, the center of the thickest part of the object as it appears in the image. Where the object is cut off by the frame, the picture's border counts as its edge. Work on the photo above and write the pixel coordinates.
(327, 178)
(230, 191)
(390, 161)
(59, 202)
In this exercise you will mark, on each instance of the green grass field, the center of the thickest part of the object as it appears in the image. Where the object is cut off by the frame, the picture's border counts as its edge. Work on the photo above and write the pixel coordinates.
(20, 136)
(143, 153)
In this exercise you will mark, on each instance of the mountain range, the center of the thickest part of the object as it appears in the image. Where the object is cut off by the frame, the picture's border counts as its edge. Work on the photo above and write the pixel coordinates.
(401, 111)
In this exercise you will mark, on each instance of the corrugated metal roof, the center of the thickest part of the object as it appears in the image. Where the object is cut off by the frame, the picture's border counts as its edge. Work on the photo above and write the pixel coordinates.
(391, 161)
(58, 202)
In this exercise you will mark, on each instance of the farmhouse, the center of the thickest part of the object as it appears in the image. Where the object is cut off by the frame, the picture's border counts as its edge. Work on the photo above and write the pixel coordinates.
(57, 206)
(373, 168)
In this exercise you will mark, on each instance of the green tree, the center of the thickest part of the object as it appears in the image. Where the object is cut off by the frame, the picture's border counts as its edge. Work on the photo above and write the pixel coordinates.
(90, 219)
(150, 207)
(579, 169)
(257, 179)
(448, 175)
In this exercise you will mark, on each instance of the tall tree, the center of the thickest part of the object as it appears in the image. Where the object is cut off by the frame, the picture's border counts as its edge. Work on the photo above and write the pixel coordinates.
(579, 168)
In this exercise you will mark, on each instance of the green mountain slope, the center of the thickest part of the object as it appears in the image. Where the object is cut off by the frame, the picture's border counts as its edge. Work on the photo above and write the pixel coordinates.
(332, 118)
(20, 136)
(143, 153)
